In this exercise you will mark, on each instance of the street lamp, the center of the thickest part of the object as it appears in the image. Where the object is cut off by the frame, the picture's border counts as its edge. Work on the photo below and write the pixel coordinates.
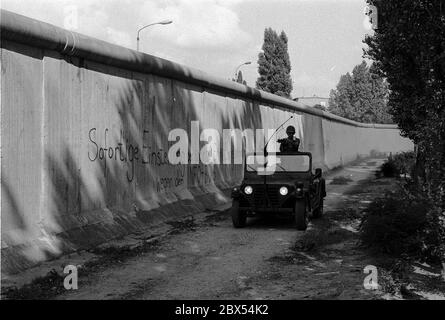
(242, 64)
(151, 24)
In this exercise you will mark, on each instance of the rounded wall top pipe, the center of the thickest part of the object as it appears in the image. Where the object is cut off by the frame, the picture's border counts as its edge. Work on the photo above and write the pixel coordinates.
(18, 28)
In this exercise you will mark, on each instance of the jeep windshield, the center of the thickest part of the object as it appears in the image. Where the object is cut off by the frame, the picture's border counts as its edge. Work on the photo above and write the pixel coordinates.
(278, 163)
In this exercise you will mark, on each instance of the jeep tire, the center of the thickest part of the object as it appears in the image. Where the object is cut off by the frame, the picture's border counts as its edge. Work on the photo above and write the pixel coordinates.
(318, 213)
(300, 215)
(238, 217)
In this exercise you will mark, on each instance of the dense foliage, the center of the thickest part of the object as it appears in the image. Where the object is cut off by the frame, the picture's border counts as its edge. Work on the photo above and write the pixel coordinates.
(399, 164)
(361, 96)
(408, 49)
(395, 224)
(274, 64)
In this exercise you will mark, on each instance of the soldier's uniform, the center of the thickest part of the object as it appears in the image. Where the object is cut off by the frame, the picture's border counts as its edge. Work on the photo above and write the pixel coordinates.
(289, 144)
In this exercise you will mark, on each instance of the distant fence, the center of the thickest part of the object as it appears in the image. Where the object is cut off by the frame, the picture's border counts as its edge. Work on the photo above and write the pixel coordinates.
(84, 139)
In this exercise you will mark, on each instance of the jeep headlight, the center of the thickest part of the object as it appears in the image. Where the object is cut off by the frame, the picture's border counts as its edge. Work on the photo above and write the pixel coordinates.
(283, 191)
(248, 190)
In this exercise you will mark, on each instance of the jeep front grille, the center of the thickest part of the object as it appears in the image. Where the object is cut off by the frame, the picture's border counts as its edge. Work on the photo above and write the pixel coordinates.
(260, 199)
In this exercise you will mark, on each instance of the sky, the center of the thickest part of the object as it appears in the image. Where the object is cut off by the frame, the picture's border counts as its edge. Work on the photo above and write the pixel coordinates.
(216, 36)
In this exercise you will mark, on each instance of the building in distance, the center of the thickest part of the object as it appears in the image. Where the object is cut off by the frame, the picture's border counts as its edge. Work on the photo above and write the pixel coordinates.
(314, 101)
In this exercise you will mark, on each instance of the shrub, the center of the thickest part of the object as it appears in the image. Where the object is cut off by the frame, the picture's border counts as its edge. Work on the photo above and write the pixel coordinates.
(401, 163)
(389, 169)
(396, 223)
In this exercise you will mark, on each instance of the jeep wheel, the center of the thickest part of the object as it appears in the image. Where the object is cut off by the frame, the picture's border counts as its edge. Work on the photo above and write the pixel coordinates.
(300, 215)
(238, 218)
(318, 213)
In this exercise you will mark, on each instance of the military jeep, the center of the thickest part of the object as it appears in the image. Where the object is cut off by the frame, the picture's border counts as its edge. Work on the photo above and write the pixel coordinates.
(279, 183)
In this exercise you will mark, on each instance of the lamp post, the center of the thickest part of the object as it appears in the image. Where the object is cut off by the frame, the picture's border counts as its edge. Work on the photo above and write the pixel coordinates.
(151, 24)
(242, 64)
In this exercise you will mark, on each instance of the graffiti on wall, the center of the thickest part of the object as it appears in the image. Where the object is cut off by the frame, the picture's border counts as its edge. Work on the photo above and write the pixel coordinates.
(179, 161)
(105, 149)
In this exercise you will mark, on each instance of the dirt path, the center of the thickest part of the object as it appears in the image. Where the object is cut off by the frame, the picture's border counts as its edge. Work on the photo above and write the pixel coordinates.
(209, 259)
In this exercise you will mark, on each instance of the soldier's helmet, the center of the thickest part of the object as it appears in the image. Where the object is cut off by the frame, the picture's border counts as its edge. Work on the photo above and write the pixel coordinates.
(290, 129)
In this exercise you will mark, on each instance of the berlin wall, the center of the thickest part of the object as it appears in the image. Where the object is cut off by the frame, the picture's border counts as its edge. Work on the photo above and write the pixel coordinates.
(84, 139)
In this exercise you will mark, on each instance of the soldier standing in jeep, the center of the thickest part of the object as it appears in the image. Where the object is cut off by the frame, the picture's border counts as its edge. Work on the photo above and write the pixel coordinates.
(290, 143)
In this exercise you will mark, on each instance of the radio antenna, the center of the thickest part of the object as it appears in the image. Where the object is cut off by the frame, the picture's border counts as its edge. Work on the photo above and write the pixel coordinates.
(265, 147)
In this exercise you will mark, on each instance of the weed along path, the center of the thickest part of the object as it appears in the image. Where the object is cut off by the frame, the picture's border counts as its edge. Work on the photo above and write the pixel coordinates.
(206, 258)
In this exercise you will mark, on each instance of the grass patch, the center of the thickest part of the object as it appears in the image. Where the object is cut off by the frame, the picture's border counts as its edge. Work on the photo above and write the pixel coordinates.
(345, 214)
(288, 259)
(115, 255)
(216, 217)
(139, 290)
(341, 180)
(355, 192)
(42, 288)
(315, 239)
(397, 277)
(327, 231)
(395, 224)
(51, 285)
(184, 225)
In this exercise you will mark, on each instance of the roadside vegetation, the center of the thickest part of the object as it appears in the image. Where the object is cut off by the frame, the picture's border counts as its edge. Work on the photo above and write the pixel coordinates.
(414, 70)
(43, 288)
(399, 164)
(397, 227)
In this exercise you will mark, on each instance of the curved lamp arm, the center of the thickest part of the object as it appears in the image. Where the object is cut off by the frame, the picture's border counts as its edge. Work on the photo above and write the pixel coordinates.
(151, 24)
(242, 64)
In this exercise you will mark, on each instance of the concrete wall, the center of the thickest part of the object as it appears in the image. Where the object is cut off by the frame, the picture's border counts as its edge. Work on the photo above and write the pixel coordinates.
(84, 139)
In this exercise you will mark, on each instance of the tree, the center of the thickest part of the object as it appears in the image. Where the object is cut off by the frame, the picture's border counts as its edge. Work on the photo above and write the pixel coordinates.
(361, 96)
(380, 94)
(340, 99)
(274, 64)
(408, 49)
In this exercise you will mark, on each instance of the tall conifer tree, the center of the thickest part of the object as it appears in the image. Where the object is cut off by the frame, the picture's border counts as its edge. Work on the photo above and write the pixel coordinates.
(274, 64)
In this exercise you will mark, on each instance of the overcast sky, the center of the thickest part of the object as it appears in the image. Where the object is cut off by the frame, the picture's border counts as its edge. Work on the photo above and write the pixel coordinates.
(325, 36)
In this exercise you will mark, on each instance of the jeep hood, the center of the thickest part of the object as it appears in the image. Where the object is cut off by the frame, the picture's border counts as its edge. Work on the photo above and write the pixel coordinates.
(277, 178)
